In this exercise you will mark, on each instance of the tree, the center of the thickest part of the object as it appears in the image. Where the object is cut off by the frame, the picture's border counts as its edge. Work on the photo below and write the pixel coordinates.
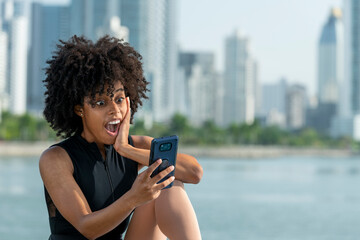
(179, 124)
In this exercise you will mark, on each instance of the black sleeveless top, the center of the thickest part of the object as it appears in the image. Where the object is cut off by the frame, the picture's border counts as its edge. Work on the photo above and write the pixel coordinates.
(101, 181)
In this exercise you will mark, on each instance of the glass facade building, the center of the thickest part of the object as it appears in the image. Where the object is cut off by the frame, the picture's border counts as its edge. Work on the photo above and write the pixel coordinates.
(152, 32)
(14, 36)
(352, 52)
(240, 81)
(331, 58)
(49, 24)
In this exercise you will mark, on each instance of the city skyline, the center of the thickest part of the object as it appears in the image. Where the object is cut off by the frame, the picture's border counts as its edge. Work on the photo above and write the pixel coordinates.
(289, 30)
(201, 30)
(152, 27)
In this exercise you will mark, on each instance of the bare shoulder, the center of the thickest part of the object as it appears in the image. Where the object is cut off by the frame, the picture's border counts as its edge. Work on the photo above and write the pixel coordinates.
(56, 170)
(55, 159)
(143, 142)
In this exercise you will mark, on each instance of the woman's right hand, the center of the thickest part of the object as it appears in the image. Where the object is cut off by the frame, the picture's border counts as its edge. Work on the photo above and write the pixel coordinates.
(145, 188)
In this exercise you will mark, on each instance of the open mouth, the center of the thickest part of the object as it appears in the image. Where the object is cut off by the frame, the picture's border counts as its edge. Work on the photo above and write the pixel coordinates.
(112, 127)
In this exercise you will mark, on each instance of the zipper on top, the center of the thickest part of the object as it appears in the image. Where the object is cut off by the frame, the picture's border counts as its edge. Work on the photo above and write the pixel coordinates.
(110, 181)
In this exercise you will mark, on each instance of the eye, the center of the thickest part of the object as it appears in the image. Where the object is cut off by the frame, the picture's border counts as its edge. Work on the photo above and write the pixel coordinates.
(119, 100)
(100, 103)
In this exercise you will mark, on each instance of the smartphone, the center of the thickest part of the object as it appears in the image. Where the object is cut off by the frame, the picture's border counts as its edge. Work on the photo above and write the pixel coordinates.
(166, 149)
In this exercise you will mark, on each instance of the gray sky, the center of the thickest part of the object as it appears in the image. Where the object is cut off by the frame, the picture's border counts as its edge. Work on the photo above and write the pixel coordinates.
(284, 33)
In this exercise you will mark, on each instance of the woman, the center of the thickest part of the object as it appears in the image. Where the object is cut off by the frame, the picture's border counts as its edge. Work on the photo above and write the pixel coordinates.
(91, 179)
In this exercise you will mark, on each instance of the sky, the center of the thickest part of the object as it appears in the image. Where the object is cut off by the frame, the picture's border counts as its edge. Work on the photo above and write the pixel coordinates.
(284, 34)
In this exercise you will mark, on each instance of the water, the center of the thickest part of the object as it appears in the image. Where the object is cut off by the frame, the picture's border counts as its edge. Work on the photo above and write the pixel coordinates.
(279, 198)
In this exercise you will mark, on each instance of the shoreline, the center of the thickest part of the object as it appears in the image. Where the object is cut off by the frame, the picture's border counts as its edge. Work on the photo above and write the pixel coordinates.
(34, 149)
(255, 151)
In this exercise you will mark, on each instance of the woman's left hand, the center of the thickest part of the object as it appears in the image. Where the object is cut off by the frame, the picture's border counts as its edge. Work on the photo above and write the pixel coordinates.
(122, 137)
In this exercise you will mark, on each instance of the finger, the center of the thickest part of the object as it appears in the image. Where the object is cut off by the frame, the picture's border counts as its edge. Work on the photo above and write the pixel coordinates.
(125, 124)
(152, 167)
(128, 108)
(162, 174)
(163, 184)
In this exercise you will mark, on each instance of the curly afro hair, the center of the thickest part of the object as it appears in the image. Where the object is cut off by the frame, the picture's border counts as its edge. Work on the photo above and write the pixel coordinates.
(80, 68)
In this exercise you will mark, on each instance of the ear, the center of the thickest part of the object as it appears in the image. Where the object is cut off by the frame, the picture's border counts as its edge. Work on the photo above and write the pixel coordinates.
(78, 110)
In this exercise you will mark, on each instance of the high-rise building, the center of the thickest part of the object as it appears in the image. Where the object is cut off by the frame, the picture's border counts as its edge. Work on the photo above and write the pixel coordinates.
(273, 107)
(113, 28)
(330, 73)
(93, 19)
(171, 53)
(88, 17)
(352, 52)
(331, 58)
(347, 121)
(295, 107)
(79, 18)
(48, 25)
(4, 96)
(240, 80)
(15, 25)
(18, 63)
(201, 93)
(152, 32)
(98, 15)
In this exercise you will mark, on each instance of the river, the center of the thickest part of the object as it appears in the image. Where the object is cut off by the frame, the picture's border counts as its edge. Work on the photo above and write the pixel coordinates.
(261, 199)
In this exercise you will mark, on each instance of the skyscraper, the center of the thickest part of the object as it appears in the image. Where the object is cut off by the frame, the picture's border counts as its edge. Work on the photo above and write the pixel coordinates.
(48, 25)
(331, 58)
(295, 107)
(151, 26)
(201, 87)
(240, 81)
(352, 52)
(152, 32)
(18, 62)
(4, 98)
(330, 73)
(15, 25)
(78, 17)
(273, 106)
(347, 121)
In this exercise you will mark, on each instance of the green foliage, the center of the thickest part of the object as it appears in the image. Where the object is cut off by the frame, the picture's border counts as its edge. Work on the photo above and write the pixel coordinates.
(179, 124)
(245, 134)
(25, 128)
(29, 128)
(271, 135)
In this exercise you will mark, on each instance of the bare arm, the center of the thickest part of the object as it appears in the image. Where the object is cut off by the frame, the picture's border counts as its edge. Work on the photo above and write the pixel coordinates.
(187, 170)
(56, 170)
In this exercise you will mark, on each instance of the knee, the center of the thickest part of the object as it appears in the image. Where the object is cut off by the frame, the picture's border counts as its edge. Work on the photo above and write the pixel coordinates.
(178, 183)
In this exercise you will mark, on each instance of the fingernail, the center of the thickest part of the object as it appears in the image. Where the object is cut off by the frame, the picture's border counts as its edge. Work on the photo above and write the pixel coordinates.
(172, 167)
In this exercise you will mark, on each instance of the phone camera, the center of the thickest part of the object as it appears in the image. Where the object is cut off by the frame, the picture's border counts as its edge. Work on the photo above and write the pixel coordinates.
(165, 147)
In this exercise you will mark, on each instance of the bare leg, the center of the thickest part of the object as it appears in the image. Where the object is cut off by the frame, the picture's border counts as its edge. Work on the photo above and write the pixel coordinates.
(143, 224)
(171, 214)
(175, 214)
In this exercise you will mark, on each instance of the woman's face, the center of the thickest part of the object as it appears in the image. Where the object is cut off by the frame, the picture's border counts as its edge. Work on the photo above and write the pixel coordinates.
(102, 117)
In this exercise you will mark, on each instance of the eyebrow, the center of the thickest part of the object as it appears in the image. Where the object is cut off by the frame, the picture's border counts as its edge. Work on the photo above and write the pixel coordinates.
(119, 90)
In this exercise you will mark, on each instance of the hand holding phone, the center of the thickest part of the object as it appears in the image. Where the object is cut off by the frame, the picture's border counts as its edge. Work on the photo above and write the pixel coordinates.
(164, 148)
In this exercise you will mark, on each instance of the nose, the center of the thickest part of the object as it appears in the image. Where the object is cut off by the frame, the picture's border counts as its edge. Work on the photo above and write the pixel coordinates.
(114, 108)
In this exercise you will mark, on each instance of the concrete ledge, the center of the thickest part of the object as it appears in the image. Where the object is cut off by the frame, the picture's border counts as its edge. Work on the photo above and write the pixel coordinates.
(23, 149)
(34, 149)
(262, 151)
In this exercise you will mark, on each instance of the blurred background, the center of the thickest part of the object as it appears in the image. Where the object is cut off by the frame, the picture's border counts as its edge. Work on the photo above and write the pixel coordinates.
(265, 93)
